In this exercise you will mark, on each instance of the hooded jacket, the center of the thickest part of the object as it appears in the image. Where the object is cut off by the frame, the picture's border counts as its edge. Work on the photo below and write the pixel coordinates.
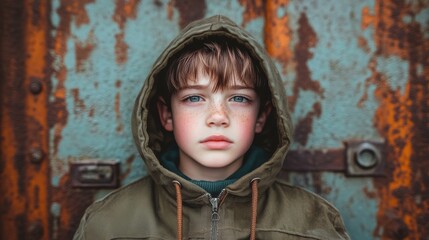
(163, 205)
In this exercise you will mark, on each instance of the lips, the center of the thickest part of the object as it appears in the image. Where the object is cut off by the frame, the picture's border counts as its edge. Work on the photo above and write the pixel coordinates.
(216, 142)
(216, 138)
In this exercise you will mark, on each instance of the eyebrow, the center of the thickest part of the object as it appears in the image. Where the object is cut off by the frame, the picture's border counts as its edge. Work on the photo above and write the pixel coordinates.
(239, 87)
(197, 87)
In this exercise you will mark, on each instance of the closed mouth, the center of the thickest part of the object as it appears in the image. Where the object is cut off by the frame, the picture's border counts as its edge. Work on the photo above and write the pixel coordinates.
(216, 138)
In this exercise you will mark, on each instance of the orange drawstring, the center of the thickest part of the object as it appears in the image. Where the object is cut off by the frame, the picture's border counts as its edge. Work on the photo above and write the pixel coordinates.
(179, 209)
(254, 184)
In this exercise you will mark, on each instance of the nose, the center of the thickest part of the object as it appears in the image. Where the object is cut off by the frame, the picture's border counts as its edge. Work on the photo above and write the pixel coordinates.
(218, 116)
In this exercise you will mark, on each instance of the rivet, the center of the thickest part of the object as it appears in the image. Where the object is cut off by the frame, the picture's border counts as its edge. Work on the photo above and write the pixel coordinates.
(36, 155)
(35, 86)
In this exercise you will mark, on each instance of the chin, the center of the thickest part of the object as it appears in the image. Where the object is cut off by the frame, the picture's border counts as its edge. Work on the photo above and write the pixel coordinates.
(215, 163)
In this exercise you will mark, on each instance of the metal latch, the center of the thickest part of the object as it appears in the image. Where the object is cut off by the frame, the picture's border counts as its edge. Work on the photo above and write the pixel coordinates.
(356, 158)
(95, 173)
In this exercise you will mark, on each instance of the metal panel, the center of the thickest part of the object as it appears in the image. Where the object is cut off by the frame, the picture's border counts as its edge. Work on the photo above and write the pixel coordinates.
(353, 71)
(24, 166)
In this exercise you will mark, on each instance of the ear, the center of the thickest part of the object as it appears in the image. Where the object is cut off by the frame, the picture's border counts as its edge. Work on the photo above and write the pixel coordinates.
(263, 116)
(165, 115)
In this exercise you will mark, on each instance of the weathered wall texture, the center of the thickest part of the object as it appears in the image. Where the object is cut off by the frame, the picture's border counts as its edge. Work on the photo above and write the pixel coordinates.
(353, 71)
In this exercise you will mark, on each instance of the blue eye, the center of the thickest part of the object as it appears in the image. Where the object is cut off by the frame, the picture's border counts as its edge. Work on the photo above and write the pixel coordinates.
(193, 99)
(239, 99)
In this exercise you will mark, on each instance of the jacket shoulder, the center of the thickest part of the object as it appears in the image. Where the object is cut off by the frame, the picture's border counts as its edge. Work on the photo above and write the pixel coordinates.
(104, 217)
(122, 196)
(302, 213)
(301, 195)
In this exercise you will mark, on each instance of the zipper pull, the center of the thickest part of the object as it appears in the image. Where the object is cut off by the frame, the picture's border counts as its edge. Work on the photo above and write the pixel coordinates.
(215, 204)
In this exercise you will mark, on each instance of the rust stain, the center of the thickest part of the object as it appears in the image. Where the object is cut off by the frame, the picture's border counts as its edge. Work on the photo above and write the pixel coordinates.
(302, 54)
(304, 127)
(277, 34)
(118, 84)
(363, 44)
(391, 31)
(124, 10)
(79, 104)
(170, 10)
(252, 9)
(120, 125)
(402, 119)
(369, 194)
(121, 48)
(24, 195)
(36, 121)
(91, 112)
(368, 19)
(372, 66)
(189, 10)
(57, 118)
(75, 9)
(308, 39)
(13, 200)
(393, 120)
(83, 52)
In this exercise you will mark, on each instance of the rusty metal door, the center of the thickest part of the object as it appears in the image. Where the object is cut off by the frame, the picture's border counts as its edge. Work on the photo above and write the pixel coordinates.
(355, 73)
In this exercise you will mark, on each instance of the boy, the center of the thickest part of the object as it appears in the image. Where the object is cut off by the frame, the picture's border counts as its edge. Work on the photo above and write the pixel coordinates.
(211, 123)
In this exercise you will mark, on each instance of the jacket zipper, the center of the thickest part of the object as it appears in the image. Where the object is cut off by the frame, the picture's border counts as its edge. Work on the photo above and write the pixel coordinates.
(215, 215)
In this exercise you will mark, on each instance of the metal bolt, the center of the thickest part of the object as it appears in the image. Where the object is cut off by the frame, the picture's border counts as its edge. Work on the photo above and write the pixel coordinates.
(367, 156)
(35, 86)
(36, 155)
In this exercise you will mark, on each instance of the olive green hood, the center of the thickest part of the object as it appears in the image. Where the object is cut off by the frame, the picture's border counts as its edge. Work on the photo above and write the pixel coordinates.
(150, 137)
(152, 207)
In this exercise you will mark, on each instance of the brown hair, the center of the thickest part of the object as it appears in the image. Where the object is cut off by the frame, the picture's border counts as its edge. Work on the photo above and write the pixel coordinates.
(223, 60)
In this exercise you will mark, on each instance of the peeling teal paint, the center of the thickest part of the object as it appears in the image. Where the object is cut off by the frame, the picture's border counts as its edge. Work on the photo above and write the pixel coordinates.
(55, 209)
(340, 65)
(96, 136)
(422, 19)
(350, 197)
(55, 17)
(281, 12)
(231, 9)
(96, 130)
(55, 180)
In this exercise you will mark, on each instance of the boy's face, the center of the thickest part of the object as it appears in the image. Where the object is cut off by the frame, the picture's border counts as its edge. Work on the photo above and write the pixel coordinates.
(213, 129)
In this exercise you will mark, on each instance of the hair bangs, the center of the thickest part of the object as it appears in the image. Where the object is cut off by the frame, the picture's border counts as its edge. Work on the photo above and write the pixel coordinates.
(224, 64)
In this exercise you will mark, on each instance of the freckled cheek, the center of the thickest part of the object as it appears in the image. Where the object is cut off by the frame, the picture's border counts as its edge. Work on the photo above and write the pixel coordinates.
(184, 126)
(245, 127)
